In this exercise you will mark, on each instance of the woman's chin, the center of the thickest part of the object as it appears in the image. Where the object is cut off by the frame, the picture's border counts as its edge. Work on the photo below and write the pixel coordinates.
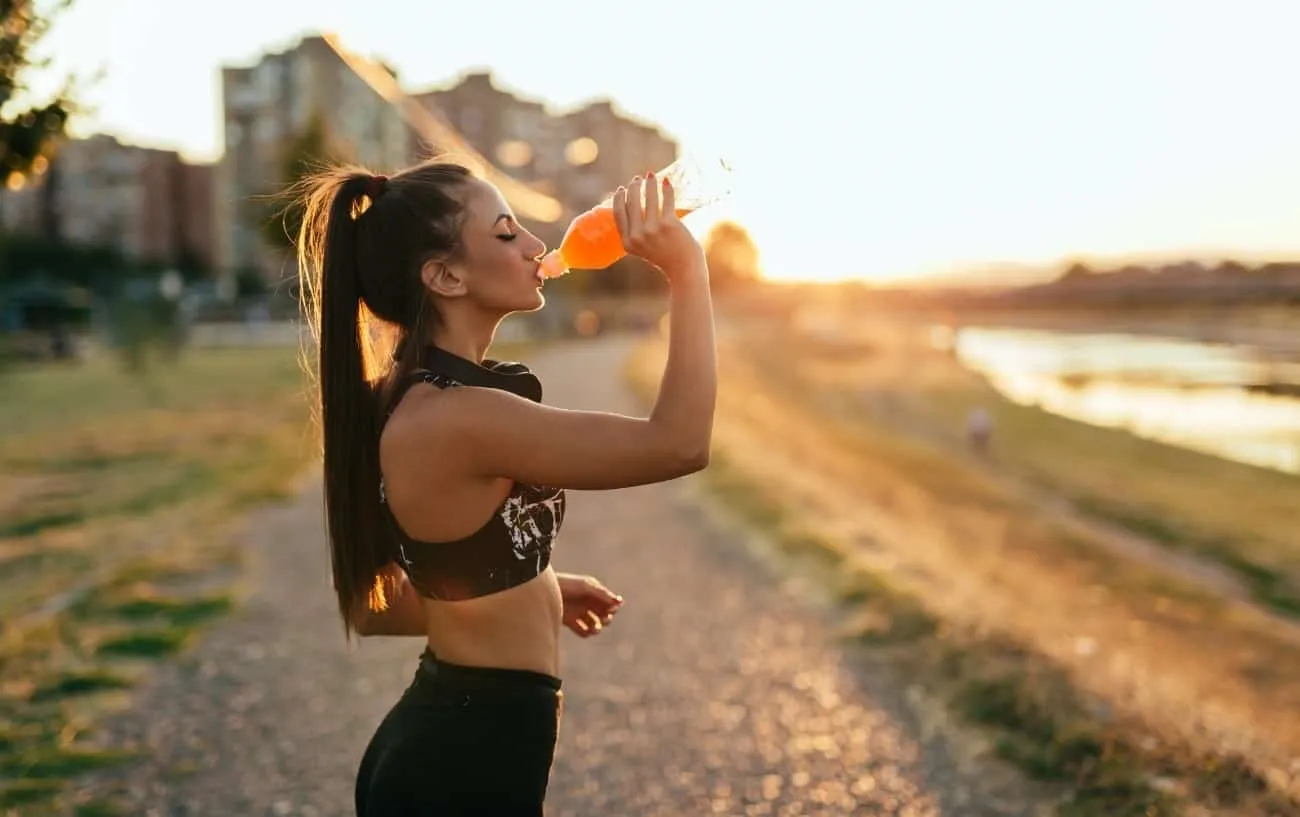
(531, 304)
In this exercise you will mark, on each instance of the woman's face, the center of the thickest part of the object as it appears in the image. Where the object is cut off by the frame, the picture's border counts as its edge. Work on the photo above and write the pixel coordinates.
(500, 258)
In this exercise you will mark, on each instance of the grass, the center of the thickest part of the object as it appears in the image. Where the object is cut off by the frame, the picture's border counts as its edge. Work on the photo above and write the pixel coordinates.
(1125, 480)
(24, 792)
(116, 495)
(38, 775)
(1037, 718)
(74, 683)
(1107, 473)
(99, 808)
(1032, 711)
(965, 578)
(1104, 473)
(150, 643)
(175, 611)
(59, 763)
(1269, 586)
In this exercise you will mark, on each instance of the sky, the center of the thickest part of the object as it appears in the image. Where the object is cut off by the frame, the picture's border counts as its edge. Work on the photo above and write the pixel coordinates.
(883, 140)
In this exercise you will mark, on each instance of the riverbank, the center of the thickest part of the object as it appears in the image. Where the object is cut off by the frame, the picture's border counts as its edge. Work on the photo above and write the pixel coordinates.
(997, 575)
(1223, 400)
(1272, 329)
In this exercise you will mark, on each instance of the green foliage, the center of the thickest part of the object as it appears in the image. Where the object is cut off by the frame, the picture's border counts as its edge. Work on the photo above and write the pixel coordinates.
(732, 256)
(29, 128)
(278, 216)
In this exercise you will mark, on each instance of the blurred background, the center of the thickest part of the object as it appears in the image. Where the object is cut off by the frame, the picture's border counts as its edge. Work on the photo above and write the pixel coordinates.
(1009, 309)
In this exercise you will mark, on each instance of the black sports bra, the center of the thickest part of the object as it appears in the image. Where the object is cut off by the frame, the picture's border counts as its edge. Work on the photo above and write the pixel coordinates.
(514, 545)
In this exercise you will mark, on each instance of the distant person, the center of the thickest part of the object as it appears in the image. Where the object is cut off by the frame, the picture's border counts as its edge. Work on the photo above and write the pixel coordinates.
(979, 430)
(445, 475)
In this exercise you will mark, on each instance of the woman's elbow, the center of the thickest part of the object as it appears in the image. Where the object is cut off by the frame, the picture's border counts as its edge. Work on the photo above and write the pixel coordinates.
(690, 460)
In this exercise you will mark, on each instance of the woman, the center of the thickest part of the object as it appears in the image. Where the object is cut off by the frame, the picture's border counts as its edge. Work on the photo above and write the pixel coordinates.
(445, 475)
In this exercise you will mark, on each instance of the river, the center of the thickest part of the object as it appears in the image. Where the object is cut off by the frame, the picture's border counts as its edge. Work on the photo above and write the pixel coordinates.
(1219, 399)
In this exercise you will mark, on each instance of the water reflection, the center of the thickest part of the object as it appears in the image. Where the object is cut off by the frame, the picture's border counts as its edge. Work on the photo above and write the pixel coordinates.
(1220, 400)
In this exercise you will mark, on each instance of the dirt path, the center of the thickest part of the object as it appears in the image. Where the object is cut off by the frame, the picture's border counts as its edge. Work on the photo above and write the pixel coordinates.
(719, 690)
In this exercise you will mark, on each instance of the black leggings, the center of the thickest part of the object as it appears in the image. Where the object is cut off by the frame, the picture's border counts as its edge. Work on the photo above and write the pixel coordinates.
(463, 741)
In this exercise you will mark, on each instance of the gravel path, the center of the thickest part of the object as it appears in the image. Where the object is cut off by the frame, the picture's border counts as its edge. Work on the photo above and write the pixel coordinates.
(718, 690)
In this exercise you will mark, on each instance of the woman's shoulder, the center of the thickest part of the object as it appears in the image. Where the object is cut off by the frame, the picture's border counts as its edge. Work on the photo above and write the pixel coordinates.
(435, 412)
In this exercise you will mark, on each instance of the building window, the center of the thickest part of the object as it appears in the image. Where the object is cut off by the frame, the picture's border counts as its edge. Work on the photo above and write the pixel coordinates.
(514, 153)
(582, 151)
(267, 130)
(302, 96)
(268, 80)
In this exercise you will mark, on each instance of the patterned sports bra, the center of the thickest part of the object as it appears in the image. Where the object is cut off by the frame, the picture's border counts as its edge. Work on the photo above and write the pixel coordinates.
(514, 545)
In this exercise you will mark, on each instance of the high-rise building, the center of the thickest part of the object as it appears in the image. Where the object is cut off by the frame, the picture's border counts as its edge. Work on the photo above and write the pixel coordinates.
(268, 106)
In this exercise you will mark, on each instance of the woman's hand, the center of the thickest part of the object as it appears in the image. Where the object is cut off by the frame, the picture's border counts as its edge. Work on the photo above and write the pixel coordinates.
(653, 231)
(588, 604)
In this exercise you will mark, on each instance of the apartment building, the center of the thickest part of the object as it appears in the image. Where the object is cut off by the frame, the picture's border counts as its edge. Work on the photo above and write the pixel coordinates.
(147, 203)
(265, 107)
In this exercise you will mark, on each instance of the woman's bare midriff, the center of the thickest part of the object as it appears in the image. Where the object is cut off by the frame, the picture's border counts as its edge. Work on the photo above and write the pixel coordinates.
(517, 628)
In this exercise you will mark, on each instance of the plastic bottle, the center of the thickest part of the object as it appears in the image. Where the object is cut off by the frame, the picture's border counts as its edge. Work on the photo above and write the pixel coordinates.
(592, 241)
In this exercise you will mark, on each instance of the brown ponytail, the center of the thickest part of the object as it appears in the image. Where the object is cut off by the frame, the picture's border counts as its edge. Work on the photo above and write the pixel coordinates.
(363, 242)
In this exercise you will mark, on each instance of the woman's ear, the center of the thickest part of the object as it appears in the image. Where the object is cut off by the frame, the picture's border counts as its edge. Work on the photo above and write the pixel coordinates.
(442, 278)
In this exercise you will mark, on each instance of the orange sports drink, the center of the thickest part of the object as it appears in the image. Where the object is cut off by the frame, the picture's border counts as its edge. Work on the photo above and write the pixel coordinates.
(592, 242)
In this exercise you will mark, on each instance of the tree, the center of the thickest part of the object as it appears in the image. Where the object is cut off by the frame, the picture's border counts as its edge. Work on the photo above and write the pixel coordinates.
(301, 156)
(29, 128)
(1231, 269)
(732, 256)
(1077, 271)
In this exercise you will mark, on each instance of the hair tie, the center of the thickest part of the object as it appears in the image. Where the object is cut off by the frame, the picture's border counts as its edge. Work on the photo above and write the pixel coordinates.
(375, 186)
